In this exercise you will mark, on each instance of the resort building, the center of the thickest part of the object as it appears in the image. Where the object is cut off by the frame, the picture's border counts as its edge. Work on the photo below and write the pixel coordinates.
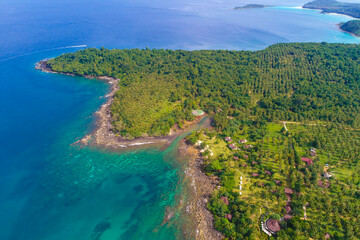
(272, 226)
(225, 200)
(233, 147)
(198, 112)
(327, 175)
(308, 161)
(312, 152)
(288, 191)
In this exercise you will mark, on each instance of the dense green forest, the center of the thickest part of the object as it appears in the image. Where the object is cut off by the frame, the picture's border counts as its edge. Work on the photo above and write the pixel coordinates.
(352, 26)
(332, 6)
(159, 88)
(312, 86)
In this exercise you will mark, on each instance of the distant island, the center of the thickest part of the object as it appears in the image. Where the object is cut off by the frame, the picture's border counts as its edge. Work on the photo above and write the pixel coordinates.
(352, 27)
(332, 6)
(249, 6)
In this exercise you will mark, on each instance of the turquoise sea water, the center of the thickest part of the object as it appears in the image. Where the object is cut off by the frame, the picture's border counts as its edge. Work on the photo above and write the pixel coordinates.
(50, 189)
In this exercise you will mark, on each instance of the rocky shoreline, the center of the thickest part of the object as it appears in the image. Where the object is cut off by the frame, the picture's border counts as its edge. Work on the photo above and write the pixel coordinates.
(200, 185)
(201, 188)
(103, 136)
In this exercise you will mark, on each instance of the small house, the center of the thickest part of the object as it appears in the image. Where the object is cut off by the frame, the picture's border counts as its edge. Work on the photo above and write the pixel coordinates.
(267, 172)
(308, 161)
(232, 146)
(228, 139)
(243, 141)
(288, 209)
(228, 216)
(198, 112)
(327, 175)
(236, 158)
(288, 191)
(225, 200)
(312, 152)
(272, 226)
(246, 156)
(248, 146)
(255, 175)
(287, 217)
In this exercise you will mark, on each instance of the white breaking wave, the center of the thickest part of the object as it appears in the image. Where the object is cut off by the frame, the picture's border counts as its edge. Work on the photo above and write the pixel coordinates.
(45, 50)
(138, 144)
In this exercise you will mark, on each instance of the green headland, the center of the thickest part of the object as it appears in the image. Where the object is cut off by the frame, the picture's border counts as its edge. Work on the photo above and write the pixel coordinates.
(284, 142)
(332, 6)
(352, 27)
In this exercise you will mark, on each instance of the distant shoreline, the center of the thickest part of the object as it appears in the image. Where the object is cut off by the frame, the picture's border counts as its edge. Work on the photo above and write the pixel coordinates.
(336, 14)
(352, 34)
(252, 6)
(103, 136)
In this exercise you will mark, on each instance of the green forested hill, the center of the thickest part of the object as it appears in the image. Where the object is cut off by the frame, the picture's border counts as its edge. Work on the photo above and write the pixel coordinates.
(352, 26)
(332, 6)
(159, 88)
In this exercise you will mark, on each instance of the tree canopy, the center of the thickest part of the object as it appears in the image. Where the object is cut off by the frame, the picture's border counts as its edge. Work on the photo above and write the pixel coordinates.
(159, 88)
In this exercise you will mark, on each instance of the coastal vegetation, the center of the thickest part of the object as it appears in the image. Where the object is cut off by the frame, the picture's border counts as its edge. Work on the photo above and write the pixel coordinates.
(285, 128)
(332, 6)
(352, 27)
(254, 179)
(159, 88)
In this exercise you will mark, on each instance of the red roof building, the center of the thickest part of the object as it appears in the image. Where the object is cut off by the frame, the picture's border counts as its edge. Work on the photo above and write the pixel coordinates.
(232, 146)
(236, 158)
(272, 226)
(228, 139)
(228, 216)
(308, 161)
(287, 209)
(278, 182)
(243, 141)
(287, 217)
(255, 174)
(225, 200)
(288, 191)
(267, 172)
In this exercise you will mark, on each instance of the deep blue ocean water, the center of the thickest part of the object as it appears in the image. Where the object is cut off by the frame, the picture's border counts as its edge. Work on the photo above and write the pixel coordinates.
(50, 189)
